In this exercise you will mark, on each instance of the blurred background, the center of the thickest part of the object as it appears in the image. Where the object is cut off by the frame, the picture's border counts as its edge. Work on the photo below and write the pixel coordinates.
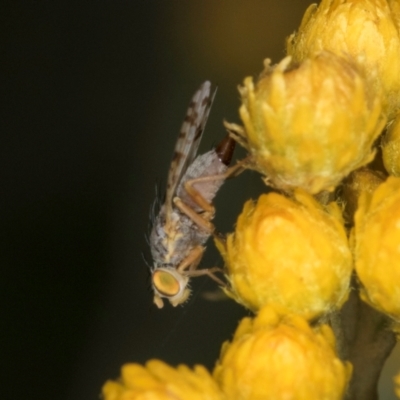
(94, 96)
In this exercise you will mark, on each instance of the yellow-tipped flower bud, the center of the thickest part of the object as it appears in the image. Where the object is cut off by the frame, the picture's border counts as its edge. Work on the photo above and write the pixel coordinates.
(158, 381)
(391, 148)
(376, 238)
(289, 253)
(274, 358)
(311, 125)
(368, 31)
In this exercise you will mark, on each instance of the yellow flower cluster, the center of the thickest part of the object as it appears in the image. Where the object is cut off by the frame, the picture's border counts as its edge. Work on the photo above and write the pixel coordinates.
(291, 253)
(269, 358)
(309, 123)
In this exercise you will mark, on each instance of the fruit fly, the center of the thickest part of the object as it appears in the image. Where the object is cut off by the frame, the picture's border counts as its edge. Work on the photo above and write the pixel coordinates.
(183, 224)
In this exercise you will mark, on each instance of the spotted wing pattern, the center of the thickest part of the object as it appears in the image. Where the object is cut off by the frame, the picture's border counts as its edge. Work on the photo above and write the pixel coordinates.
(188, 140)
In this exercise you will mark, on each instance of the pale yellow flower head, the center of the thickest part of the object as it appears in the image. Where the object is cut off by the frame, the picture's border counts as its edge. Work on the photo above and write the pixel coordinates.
(289, 253)
(158, 381)
(368, 31)
(376, 238)
(274, 358)
(391, 148)
(309, 125)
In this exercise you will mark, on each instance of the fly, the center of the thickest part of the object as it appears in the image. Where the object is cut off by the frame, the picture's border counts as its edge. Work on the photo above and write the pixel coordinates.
(183, 223)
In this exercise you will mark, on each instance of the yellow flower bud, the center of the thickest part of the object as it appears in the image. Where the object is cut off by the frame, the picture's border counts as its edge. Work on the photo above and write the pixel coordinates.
(311, 125)
(158, 381)
(275, 358)
(391, 148)
(376, 238)
(368, 31)
(289, 253)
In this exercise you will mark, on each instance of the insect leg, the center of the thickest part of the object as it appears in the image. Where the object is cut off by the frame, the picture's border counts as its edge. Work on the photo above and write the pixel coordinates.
(203, 221)
(196, 195)
(209, 272)
(191, 262)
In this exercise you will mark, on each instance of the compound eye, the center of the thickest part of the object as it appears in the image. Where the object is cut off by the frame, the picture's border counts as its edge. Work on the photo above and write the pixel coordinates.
(165, 283)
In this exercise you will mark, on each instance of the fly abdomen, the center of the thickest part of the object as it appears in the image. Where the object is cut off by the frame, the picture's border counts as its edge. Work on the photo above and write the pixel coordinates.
(225, 149)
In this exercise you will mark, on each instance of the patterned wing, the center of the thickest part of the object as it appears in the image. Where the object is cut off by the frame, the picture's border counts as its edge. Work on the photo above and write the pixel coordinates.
(188, 140)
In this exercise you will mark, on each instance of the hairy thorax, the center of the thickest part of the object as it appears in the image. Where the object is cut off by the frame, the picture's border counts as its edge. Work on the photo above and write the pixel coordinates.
(173, 243)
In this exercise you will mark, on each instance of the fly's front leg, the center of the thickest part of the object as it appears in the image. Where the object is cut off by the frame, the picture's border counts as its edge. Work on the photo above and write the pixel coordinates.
(192, 260)
(190, 263)
(209, 272)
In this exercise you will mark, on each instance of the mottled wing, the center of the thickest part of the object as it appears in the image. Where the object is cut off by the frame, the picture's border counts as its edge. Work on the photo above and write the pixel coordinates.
(188, 140)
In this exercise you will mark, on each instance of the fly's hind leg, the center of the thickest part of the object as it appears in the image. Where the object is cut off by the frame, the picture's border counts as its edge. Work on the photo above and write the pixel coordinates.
(224, 151)
(196, 196)
(204, 220)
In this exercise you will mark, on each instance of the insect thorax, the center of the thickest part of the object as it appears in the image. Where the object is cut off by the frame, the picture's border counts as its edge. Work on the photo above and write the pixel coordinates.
(170, 245)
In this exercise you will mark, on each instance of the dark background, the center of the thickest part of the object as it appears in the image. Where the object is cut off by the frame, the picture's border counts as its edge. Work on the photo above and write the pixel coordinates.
(93, 98)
